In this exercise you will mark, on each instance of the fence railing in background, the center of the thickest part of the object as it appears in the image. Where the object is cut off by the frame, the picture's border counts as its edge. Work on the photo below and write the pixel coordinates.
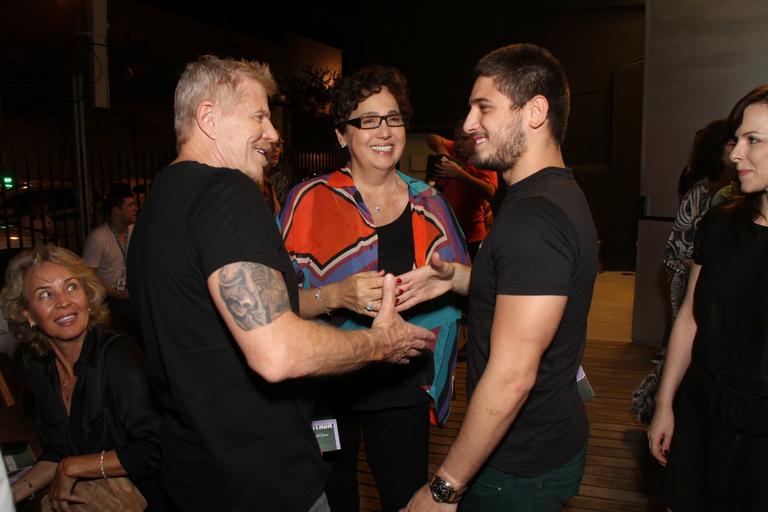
(40, 203)
(315, 164)
(135, 166)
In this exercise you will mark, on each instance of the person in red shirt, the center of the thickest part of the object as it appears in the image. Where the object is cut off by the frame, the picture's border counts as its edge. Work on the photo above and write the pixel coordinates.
(464, 186)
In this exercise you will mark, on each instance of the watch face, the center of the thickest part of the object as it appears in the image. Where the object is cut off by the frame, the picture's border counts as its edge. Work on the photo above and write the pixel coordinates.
(441, 491)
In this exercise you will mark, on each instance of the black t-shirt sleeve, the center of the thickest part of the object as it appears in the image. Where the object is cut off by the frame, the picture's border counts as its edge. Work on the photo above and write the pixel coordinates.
(233, 223)
(536, 253)
(134, 407)
(699, 242)
(707, 235)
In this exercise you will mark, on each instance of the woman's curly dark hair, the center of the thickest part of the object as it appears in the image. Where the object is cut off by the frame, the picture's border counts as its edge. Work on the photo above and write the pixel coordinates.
(15, 295)
(351, 90)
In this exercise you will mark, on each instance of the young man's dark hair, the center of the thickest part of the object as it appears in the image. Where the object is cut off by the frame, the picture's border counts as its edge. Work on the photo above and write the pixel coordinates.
(117, 193)
(522, 71)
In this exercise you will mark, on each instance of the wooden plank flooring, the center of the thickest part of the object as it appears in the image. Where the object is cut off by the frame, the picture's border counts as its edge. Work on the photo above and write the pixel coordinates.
(620, 474)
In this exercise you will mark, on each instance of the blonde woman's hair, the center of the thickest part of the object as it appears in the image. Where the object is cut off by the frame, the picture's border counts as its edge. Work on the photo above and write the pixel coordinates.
(217, 80)
(15, 297)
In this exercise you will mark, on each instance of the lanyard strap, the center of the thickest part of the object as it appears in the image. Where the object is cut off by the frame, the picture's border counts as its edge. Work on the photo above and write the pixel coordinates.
(123, 249)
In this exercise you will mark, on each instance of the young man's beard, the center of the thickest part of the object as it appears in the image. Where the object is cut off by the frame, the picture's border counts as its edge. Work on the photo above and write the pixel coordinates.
(512, 146)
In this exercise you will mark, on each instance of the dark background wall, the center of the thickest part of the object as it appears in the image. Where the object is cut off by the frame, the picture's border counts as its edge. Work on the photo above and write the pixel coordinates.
(701, 57)
(601, 48)
(600, 44)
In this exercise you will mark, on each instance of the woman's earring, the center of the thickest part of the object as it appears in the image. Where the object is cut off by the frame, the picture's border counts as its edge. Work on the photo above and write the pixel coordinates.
(31, 324)
(343, 145)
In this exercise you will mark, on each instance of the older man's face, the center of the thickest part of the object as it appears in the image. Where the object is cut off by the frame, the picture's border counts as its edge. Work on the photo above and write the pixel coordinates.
(244, 132)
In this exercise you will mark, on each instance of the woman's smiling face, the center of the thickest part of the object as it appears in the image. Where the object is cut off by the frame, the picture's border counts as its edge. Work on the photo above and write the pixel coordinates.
(751, 150)
(378, 148)
(56, 302)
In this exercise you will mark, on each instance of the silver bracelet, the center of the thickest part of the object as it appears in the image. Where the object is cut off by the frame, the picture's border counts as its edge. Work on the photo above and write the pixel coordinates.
(319, 298)
(31, 489)
(101, 465)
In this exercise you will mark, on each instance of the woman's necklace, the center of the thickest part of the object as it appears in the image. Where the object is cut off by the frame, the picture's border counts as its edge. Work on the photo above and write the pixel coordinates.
(387, 196)
(385, 192)
(67, 384)
(66, 390)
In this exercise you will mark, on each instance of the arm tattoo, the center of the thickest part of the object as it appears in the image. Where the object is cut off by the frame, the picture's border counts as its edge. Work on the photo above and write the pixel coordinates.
(255, 294)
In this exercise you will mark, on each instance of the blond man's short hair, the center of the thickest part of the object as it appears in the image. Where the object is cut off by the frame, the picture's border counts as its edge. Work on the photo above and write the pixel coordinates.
(215, 79)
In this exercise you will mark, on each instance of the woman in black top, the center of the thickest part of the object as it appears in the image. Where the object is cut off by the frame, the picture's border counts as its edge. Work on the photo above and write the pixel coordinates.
(710, 428)
(96, 415)
(344, 230)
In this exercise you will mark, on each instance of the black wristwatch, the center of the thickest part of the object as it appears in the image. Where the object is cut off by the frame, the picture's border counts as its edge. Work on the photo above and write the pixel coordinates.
(443, 492)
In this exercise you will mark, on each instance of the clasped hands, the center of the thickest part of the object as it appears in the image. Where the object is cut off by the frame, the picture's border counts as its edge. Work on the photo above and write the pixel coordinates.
(362, 292)
(61, 493)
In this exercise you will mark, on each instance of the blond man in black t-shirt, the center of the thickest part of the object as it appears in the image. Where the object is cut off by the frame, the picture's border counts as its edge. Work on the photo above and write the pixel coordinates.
(218, 305)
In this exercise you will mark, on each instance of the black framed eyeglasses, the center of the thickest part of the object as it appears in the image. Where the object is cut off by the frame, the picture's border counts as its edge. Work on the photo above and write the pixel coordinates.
(371, 122)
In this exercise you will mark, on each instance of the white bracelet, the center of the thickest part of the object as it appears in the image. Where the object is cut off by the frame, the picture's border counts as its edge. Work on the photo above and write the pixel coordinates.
(319, 298)
(101, 465)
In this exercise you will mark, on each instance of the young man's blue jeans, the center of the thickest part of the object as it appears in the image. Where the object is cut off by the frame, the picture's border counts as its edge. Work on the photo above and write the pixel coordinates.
(494, 490)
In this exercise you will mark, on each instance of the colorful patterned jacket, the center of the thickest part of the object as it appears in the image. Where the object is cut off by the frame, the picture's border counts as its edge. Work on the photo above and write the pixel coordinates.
(330, 235)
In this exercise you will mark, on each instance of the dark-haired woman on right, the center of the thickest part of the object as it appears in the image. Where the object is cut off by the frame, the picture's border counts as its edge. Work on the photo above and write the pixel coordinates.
(710, 428)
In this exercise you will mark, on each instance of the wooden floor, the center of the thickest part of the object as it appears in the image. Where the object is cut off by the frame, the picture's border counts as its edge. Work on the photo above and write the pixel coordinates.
(620, 475)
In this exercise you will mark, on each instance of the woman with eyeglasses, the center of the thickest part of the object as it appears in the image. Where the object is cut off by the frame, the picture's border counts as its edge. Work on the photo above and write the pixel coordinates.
(344, 230)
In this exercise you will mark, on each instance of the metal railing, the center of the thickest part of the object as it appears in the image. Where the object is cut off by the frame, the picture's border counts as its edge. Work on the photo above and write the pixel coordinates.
(317, 163)
(40, 201)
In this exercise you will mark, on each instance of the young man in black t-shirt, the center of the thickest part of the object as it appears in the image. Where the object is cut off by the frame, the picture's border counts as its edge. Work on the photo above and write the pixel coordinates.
(218, 305)
(523, 442)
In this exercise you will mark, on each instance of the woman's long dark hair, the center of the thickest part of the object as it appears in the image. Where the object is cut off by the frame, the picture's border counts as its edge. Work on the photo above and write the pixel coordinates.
(747, 207)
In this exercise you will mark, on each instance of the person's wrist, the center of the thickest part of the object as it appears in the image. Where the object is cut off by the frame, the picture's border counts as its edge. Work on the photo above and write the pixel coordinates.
(74, 466)
(454, 275)
(662, 404)
(321, 297)
(22, 489)
(445, 489)
(67, 466)
(378, 338)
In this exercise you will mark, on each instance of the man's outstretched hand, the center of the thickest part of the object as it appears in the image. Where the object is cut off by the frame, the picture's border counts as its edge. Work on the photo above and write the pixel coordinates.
(401, 340)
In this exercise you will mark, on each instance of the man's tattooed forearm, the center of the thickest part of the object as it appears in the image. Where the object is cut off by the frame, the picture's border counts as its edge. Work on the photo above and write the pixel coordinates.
(255, 294)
